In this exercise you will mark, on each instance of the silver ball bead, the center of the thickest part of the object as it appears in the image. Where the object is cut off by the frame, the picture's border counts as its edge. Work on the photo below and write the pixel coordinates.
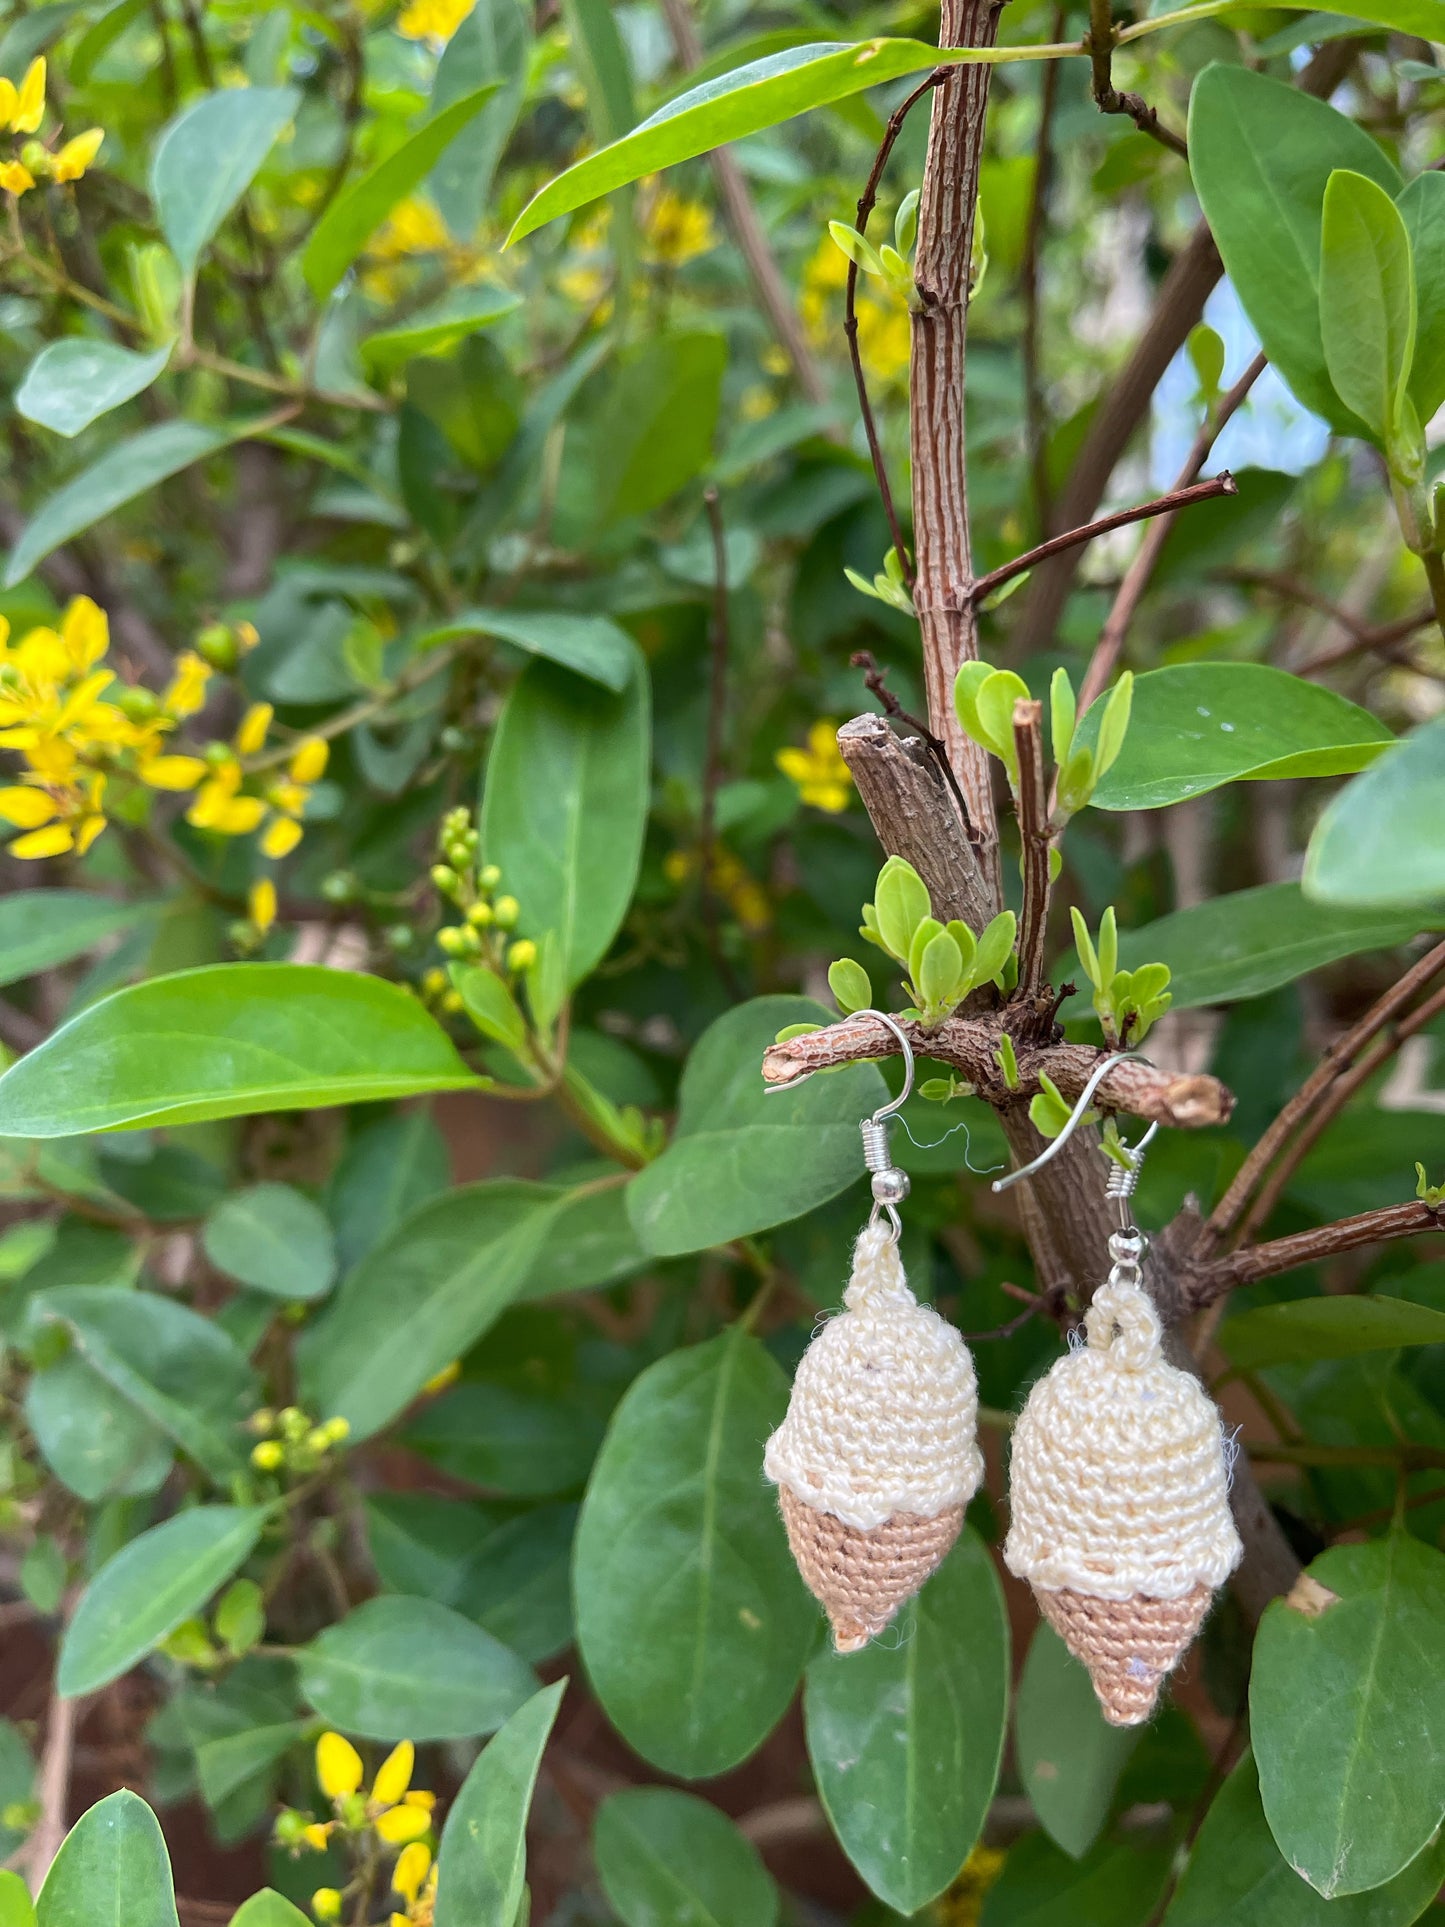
(890, 1186)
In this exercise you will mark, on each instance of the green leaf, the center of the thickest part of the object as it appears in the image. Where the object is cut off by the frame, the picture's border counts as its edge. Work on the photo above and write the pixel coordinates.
(92, 1438)
(1304, 1329)
(1367, 299)
(482, 1861)
(207, 158)
(1069, 1757)
(507, 1440)
(16, 1907)
(177, 1370)
(994, 701)
(141, 1595)
(1062, 715)
(112, 1870)
(399, 1669)
(1378, 844)
(564, 807)
(940, 971)
(663, 1855)
(356, 213)
(1252, 941)
(1198, 725)
(98, 37)
(641, 431)
(691, 1617)
(1261, 153)
(1114, 722)
(274, 1239)
(42, 928)
(901, 903)
(848, 981)
(995, 946)
(593, 646)
(1422, 207)
(225, 1041)
(423, 1297)
(1237, 1874)
(744, 1158)
(117, 477)
(390, 1168)
(269, 1909)
(74, 382)
(1116, 1885)
(1347, 1715)
(731, 107)
(437, 328)
(492, 44)
(905, 1738)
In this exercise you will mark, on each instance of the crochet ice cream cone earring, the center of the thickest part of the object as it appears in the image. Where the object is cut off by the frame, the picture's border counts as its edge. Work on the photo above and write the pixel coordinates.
(877, 1457)
(1119, 1485)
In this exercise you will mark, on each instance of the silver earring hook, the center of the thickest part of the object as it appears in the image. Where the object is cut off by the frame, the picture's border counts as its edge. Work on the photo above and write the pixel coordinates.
(1121, 1182)
(886, 1111)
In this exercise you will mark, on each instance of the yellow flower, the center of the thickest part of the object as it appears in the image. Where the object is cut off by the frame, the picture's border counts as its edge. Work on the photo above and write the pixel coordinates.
(317, 1836)
(308, 765)
(26, 808)
(187, 692)
(326, 1903)
(220, 807)
(821, 775)
(678, 230)
(412, 1867)
(26, 109)
(254, 725)
(76, 155)
(15, 178)
(172, 772)
(261, 904)
(433, 19)
(885, 331)
(394, 1775)
(401, 1824)
(338, 1766)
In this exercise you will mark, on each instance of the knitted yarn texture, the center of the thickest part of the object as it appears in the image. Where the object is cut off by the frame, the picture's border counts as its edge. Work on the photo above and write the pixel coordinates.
(877, 1456)
(1119, 1492)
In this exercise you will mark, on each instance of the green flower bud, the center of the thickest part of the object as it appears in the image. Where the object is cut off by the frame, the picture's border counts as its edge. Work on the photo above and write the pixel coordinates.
(217, 645)
(507, 911)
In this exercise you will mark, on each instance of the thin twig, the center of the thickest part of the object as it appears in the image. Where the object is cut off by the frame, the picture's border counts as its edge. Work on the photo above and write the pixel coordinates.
(1384, 640)
(768, 283)
(1033, 818)
(1202, 1284)
(1165, 505)
(719, 643)
(874, 680)
(54, 1787)
(867, 201)
(1137, 576)
(1336, 1061)
(1035, 414)
(1107, 97)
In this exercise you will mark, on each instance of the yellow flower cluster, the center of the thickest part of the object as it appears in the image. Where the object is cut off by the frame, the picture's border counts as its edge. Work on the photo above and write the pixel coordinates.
(391, 1811)
(962, 1905)
(677, 230)
(414, 228)
(819, 772)
(885, 332)
(731, 880)
(58, 711)
(433, 19)
(22, 109)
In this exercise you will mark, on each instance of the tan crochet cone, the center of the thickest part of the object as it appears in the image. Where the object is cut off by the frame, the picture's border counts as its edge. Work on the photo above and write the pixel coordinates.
(1119, 1496)
(876, 1458)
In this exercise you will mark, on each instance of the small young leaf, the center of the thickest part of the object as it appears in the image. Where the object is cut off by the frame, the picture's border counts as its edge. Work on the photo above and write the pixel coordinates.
(1088, 958)
(849, 984)
(901, 903)
(995, 705)
(995, 947)
(905, 222)
(1108, 946)
(923, 935)
(940, 973)
(1062, 713)
(1114, 723)
(856, 246)
(966, 685)
(1047, 1111)
(967, 950)
(1076, 780)
(1206, 351)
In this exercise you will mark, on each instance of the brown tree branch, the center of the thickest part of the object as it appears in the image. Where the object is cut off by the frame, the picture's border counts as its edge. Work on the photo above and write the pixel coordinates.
(1337, 1059)
(1169, 505)
(1139, 572)
(875, 681)
(1203, 1283)
(942, 270)
(1033, 818)
(1107, 97)
(742, 215)
(970, 1046)
(867, 201)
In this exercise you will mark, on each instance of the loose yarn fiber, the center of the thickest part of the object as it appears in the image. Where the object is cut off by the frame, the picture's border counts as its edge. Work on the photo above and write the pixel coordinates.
(1119, 1497)
(877, 1457)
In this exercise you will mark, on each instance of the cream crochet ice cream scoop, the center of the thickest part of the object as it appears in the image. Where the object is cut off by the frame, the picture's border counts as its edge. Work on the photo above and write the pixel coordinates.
(1119, 1498)
(877, 1456)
